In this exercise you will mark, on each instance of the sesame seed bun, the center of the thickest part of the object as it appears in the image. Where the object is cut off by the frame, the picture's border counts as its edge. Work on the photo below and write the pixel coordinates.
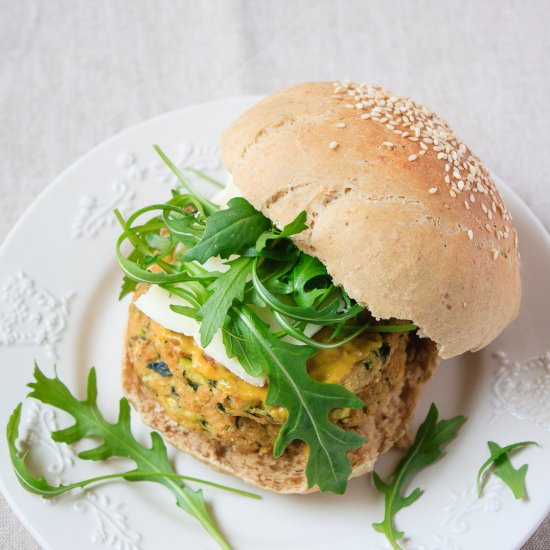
(400, 211)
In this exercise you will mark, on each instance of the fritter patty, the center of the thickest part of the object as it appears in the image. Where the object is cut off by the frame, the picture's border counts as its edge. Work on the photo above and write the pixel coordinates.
(204, 396)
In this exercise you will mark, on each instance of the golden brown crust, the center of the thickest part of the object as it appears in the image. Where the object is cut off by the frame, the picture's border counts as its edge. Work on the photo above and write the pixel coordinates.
(287, 473)
(412, 235)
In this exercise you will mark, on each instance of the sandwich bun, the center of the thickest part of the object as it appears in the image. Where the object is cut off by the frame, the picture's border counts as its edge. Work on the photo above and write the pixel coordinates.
(402, 215)
(407, 219)
(286, 474)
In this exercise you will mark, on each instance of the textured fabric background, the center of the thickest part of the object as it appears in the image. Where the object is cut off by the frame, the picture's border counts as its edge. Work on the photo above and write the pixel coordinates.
(74, 73)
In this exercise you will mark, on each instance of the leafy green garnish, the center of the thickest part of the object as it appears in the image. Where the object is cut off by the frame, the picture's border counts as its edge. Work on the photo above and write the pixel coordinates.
(127, 287)
(117, 440)
(308, 403)
(293, 228)
(267, 272)
(227, 288)
(184, 183)
(230, 231)
(500, 465)
(427, 448)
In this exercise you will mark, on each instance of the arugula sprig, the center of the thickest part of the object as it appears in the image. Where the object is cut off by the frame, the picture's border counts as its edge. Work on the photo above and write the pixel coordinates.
(230, 231)
(427, 448)
(308, 403)
(117, 440)
(499, 463)
(263, 268)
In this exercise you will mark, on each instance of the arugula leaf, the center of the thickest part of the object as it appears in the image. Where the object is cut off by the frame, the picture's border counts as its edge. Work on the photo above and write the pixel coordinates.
(129, 284)
(239, 343)
(426, 449)
(117, 440)
(127, 287)
(229, 231)
(294, 227)
(227, 288)
(502, 467)
(308, 403)
(292, 285)
(306, 270)
(40, 486)
(329, 312)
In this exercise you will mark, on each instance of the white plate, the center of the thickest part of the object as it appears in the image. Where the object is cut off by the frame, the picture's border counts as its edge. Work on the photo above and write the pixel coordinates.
(59, 304)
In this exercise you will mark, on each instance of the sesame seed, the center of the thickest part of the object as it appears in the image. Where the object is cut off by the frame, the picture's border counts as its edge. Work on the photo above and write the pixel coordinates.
(405, 117)
(470, 234)
(333, 144)
(432, 190)
(467, 205)
(484, 208)
(488, 227)
(388, 144)
(495, 253)
(452, 193)
(340, 125)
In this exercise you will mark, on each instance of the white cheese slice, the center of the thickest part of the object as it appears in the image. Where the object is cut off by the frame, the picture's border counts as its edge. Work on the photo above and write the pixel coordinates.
(156, 302)
(222, 197)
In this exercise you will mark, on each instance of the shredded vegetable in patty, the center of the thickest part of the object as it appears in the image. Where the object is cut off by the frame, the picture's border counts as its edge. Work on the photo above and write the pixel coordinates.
(202, 395)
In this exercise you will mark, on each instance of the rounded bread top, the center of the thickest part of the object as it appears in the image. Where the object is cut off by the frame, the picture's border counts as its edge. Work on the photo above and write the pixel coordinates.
(399, 210)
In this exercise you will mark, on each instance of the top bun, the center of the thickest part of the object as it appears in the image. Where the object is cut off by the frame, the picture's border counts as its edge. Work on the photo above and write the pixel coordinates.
(399, 210)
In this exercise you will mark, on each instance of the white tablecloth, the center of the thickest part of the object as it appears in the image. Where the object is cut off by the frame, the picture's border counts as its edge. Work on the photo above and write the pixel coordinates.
(74, 73)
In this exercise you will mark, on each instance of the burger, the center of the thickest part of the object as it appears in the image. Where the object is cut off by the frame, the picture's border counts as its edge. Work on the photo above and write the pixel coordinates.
(282, 331)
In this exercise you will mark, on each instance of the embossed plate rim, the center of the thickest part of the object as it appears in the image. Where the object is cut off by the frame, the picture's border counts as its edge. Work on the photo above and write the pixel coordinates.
(273, 502)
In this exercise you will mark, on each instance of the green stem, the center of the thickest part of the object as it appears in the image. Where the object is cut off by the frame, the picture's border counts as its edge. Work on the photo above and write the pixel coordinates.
(209, 207)
(496, 456)
(205, 177)
(301, 337)
(140, 475)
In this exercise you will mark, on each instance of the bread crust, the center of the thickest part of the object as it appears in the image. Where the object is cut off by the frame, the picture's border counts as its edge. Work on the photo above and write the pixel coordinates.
(405, 235)
(286, 474)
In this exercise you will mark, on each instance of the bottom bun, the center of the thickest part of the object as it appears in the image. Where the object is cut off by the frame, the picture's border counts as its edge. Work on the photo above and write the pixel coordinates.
(286, 474)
